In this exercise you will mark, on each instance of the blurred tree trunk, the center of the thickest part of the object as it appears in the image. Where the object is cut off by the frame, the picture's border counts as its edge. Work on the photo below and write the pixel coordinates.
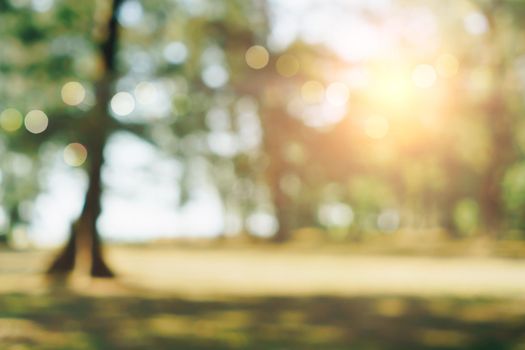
(14, 219)
(490, 196)
(83, 250)
(274, 124)
(84, 247)
(281, 206)
(499, 120)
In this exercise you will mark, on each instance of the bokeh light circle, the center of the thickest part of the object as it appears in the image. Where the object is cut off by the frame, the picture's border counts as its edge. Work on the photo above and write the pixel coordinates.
(287, 65)
(11, 120)
(175, 52)
(36, 121)
(215, 76)
(73, 93)
(75, 154)
(257, 57)
(313, 92)
(122, 103)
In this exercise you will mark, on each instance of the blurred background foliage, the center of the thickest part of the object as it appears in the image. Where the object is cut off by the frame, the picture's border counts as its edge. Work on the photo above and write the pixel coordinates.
(354, 136)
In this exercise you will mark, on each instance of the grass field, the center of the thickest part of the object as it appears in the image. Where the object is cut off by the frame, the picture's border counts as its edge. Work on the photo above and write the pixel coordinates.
(218, 298)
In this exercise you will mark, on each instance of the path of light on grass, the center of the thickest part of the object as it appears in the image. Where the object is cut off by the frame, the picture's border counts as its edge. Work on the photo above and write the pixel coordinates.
(281, 272)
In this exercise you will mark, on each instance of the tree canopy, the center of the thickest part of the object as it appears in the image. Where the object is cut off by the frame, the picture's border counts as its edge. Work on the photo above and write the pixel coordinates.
(353, 118)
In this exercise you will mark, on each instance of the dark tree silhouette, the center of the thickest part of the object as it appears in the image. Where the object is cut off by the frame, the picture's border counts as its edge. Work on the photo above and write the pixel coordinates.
(84, 247)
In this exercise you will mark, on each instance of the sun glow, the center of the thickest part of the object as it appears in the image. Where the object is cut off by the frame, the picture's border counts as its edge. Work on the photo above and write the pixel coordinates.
(391, 89)
(400, 66)
(376, 127)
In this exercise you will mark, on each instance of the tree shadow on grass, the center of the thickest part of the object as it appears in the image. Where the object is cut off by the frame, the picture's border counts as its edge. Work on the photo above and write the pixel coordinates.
(70, 321)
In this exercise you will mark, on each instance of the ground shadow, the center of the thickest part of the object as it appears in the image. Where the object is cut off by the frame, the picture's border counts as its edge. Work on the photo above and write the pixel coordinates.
(70, 321)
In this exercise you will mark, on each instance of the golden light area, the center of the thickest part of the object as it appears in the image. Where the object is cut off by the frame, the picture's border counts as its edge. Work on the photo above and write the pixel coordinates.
(257, 57)
(36, 121)
(73, 93)
(447, 65)
(313, 92)
(424, 76)
(391, 89)
(287, 65)
(11, 120)
(376, 127)
(75, 154)
(122, 104)
(337, 94)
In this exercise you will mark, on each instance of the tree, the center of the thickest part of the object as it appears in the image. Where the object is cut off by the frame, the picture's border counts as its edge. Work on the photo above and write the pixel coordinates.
(93, 44)
(84, 241)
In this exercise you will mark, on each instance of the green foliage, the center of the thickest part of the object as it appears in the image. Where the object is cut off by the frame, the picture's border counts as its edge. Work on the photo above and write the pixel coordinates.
(466, 216)
(514, 191)
(393, 145)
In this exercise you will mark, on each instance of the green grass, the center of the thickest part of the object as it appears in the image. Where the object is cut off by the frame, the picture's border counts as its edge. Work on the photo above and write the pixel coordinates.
(222, 298)
(71, 321)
